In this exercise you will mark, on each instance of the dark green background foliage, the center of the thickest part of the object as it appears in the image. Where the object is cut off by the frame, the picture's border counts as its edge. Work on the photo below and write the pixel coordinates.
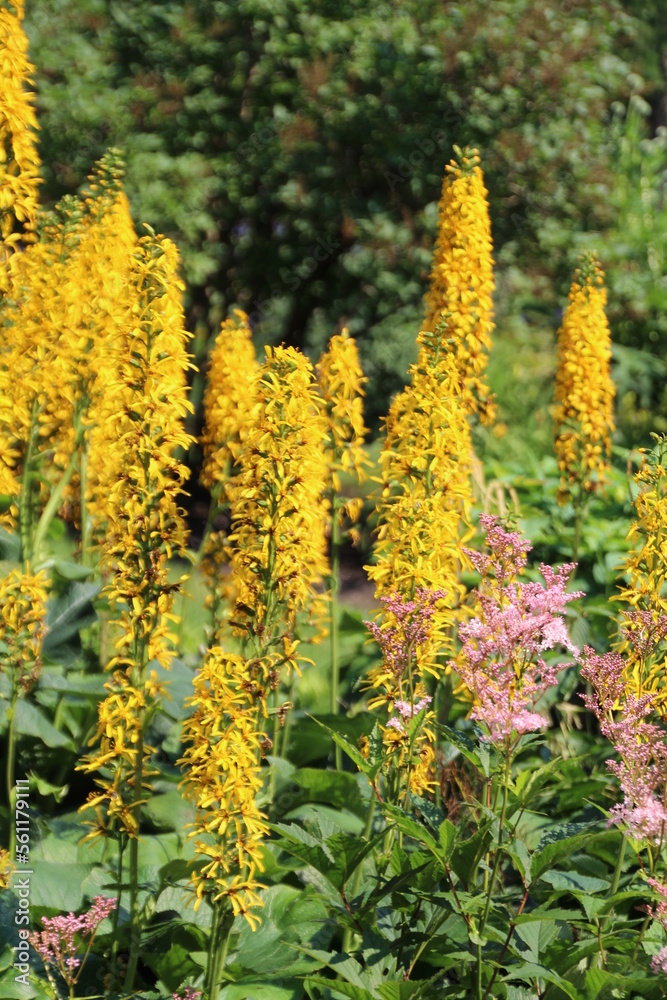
(296, 151)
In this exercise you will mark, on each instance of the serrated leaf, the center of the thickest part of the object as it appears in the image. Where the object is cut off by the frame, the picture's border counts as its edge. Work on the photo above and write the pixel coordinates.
(574, 882)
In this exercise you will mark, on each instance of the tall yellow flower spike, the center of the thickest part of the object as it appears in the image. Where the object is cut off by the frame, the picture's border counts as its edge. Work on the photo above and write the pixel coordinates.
(341, 382)
(228, 399)
(228, 405)
(643, 589)
(584, 393)
(223, 746)
(19, 160)
(461, 289)
(278, 507)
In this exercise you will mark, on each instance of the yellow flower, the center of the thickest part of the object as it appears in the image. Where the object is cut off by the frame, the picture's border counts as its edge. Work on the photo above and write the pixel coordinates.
(228, 407)
(7, 869)
(22, 616)
(19, 160)
(584, 392)
(223, 745)
(143, 524)
(645, 572)
(228, 399)
(278, 508)
(461, 290)
(341, 381)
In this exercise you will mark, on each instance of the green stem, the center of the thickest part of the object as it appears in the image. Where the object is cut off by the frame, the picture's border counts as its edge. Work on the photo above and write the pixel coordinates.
(223, 934)
(85, 520)
(135, 931)
(116, 915)
(51, 508)
(492, 881)
(11, 765)
(333, 603)
(25, 510)
(347, 936)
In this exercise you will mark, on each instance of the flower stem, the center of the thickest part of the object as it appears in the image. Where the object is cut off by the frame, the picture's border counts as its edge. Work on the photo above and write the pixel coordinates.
(11, 765)
(333, 604)
(135, 932)
(492, 881)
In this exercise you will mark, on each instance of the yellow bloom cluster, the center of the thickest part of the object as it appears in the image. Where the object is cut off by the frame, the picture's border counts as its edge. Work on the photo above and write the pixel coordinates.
(645, 572)
(7, 869)
(461, 289)
(584, 393)
(278, 506)
(277, 548)
(19, 160)
(228, 399)
(143, 524)
(223, 746)
(341, 382)
(66, 301)
(22, 614)
(426, 498)
(228, 406)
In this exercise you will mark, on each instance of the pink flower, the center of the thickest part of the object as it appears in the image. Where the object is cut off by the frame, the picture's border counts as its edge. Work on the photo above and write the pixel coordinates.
(501, 659)
(640, 745)
(189, 994)
(58, 943)
(413, 627)
(659, 961)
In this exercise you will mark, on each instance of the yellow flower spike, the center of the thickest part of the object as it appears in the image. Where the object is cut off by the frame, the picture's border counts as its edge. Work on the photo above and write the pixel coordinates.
(19, 162)
(461, 288)
(584, 391)
(221, 762)
(133, 498)
(645, 571)
(341, 382)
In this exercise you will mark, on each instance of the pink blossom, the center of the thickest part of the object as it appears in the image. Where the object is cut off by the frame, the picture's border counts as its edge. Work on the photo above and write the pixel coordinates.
(659, 961)
(190, 994)
(59, 941)
(501, 659)
(412, 629)
(659, 913)
(408, 711)
(642, 767)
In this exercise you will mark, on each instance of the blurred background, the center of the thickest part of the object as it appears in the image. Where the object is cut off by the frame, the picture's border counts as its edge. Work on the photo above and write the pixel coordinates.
(295, 149)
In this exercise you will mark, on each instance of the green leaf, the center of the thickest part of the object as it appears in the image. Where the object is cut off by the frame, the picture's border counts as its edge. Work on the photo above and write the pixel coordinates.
(369, 766)
(167, 951)
(338, 789)
(31, 721)
(57, 886)
(531, 970)
(522, 858)
(466, 854)
(67, 569)
(67, 615)
(290, 917)
(447, 836)
(559, 845)
(574, 882)
(338, 988)
(169, 811)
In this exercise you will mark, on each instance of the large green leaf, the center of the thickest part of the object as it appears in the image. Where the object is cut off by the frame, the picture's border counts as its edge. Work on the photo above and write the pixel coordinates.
(57, 885)
(289, 916)
(31, 721)
(67, 615)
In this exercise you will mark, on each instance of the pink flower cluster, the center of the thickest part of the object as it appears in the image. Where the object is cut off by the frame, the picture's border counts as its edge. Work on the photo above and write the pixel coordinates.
(659, 913)
(640, 745)
(413, 627)
(501, 659)
(190, 994)
(59, 942)
(407, 711)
